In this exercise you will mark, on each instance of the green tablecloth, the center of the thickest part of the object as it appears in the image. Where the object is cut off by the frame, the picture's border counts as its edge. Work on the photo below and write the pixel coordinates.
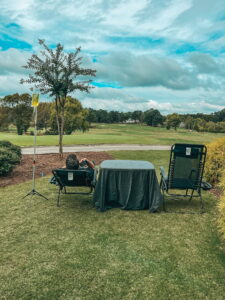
(129, 184)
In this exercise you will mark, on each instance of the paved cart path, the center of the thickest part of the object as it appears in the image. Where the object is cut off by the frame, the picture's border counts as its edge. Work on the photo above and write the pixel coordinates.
(92, 148)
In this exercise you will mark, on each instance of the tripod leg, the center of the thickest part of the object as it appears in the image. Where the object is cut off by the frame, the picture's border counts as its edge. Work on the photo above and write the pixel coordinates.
(38, 194)
(28, 194)
(34, 192)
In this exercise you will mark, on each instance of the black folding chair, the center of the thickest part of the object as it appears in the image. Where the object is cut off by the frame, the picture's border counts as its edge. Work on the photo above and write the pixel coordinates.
(74, 178)
(185, 172)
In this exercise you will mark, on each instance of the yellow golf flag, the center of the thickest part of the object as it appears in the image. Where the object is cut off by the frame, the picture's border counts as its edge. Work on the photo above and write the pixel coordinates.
(35, 100)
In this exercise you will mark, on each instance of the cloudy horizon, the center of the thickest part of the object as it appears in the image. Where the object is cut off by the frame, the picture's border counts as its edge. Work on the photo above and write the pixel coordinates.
(162, 54)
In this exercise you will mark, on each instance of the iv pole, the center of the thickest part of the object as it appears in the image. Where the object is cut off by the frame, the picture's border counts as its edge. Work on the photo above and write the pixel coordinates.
(35, 98)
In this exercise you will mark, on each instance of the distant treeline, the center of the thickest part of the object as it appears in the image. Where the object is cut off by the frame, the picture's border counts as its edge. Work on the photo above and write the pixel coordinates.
(16, 109)
(214, 122)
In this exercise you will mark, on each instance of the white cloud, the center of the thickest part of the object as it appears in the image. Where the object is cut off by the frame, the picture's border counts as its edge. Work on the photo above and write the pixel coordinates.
(144, 70)
(12, 60)
(166, 106)
(151, 74)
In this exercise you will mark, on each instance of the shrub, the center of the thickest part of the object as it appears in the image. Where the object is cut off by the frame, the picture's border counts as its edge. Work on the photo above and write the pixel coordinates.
(14, 148)
(221, 206)
(10, 155)
(8, 160)
(50, 132)
(215, 161)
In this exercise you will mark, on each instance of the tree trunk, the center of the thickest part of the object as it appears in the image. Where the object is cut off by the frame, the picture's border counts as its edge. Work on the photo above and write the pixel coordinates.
(60, 125)
(61, 134)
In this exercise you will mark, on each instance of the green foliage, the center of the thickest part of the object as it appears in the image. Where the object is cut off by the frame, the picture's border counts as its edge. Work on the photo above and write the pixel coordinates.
(199, 125)
(173, 120)
(8, 160)
(5, 162)
(11, 147)
(215, 161)
(19, 111)
(219, 116)
(4, 118)
(221, 206)
(188, 122)
(50, 132)
(137, 115)
(10, 155)
(75, 118)
(56, 73)
(43, 116)
(152, 117)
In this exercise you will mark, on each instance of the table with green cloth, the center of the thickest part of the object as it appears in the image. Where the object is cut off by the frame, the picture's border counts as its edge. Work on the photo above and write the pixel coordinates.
(129, 184)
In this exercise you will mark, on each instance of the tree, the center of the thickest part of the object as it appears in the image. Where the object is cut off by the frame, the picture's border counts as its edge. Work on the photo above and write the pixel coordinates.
(199, 125)
(189, 121)
(43, 116)
(55, 73)
(20, 110)
(137, 115)
(102, 116)
(4, 118)
(75, 116)
(152, 117)
(92, 117)
(114, 116)
(172, 120)
(219, 116)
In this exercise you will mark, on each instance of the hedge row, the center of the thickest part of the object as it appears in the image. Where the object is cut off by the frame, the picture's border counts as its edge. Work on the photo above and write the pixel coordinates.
(10, 156)
(221, 207)
(215, 162)
(215, 174)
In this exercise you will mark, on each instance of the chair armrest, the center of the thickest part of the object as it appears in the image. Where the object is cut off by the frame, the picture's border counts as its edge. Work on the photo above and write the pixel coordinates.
(58, 180)
(163, 173)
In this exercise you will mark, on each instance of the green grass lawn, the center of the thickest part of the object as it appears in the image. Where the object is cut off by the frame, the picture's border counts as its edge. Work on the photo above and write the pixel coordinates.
(117, 134)
(75, 252)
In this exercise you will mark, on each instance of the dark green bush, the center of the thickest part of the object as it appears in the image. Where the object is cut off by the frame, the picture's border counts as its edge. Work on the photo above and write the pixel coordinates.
(10, 156)
(8, 160)
(14, 148)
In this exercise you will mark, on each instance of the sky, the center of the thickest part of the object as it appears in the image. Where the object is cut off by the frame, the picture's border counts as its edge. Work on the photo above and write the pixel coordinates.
(163, 54)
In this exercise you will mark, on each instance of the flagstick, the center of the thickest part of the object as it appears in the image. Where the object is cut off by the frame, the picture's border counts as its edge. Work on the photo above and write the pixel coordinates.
(35, 143)
(33, 191)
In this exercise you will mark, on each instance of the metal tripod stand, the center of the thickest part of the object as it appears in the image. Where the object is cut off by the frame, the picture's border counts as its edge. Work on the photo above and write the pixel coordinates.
(33, 191)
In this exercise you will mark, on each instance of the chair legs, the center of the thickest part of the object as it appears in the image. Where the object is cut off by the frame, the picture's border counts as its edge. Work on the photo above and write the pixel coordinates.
(64, 191)
(202, 204)
(58, 197)
(163, 200)
(185, 195)
(192, 193)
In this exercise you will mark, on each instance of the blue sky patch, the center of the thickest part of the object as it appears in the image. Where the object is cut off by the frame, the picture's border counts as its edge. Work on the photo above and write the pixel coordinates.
(186, 48)
(13, 25)
(7, 42)
(103, 84)
(216, 35)
(144, 42)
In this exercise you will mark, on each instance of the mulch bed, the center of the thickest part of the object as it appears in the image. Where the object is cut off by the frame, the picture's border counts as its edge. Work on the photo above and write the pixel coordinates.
(46, 162)
(44, 165)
